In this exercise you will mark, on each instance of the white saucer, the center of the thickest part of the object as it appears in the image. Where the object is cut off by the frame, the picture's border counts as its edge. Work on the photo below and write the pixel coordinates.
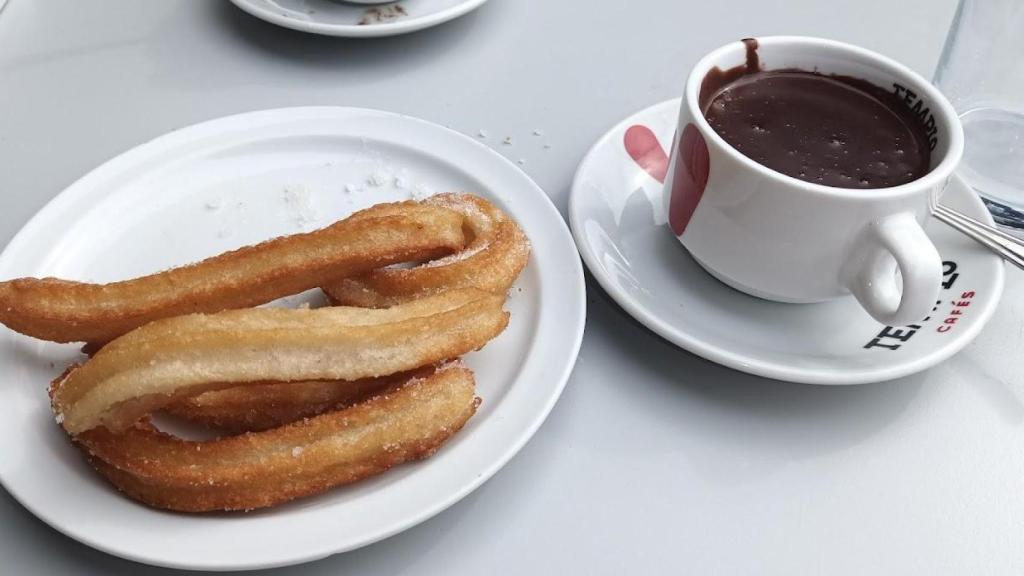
(360, 18)
(616, 215)
(234, 181)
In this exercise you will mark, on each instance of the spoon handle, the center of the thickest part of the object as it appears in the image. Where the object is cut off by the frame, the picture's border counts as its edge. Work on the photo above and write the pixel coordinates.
(1007, 246)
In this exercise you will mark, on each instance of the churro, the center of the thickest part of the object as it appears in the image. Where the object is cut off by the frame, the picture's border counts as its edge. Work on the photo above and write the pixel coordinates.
(261, 407)
(67, 311)
(169, 359)
(272, 467)
(495, 253)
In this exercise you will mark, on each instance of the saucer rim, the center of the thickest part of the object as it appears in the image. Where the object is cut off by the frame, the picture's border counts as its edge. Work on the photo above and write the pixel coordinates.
(744, 363)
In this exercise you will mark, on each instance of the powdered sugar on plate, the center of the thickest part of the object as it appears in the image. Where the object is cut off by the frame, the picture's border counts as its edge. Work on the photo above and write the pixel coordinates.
(300, 203)
(379, 178)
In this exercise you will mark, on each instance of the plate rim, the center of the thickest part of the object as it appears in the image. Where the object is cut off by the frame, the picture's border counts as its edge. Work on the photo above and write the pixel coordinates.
(166, 144)
(736, 361)
(355, 31)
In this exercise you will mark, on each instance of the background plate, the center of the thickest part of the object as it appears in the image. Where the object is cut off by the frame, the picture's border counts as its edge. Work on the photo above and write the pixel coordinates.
(338, 18)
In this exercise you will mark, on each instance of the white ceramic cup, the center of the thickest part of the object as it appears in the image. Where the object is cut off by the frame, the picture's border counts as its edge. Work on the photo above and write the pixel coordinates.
(784, 239)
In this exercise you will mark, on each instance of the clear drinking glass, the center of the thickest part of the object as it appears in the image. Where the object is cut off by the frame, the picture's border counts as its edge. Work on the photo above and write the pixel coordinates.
(982, 73)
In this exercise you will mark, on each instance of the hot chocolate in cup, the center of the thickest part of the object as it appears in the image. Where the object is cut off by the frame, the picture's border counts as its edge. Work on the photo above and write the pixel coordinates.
(803, 169)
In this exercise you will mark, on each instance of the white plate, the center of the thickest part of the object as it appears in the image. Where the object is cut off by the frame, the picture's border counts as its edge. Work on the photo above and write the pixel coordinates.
(617, 218)
(234, 181)
(339, 18)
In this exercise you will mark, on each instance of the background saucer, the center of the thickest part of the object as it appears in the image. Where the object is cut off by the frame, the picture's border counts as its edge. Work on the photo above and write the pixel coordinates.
(617, 217)
(357, 20)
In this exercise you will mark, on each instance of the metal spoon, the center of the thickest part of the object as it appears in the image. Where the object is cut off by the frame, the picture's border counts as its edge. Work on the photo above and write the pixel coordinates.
(1003, 244)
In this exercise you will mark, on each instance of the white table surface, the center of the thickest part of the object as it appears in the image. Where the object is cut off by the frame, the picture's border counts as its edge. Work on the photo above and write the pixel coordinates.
(654, 461)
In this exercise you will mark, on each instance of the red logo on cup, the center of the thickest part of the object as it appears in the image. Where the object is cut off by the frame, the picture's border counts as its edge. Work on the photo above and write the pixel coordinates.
(643, 147)
(690, 178)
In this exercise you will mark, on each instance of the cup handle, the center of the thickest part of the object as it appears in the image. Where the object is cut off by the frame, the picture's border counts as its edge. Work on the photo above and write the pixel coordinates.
(872, 280)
